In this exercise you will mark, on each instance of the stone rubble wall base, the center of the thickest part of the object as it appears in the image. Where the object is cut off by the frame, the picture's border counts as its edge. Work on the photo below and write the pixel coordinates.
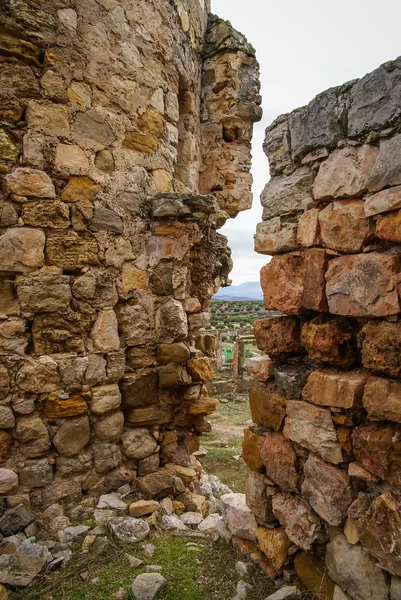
(109, 250)
(324, 452)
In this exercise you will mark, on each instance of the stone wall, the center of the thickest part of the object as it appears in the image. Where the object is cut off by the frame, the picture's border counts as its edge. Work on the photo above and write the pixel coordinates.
(109, 253)
(324, 452)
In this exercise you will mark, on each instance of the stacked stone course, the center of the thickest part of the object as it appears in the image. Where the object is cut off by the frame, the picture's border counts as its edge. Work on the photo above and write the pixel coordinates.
(324, 452)
(109, 251)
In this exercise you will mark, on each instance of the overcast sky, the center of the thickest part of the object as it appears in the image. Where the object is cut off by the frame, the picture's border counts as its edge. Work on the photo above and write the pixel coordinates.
(303, 48)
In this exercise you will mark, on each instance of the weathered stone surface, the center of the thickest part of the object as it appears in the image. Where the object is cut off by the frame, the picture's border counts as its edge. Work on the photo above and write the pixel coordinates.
(8, 482)
(382, 399)
(237, 516)
(70, 159)
(313, 574)
(134, 325)
(70, 251)
(316, 262)
(104, 332)
(261, 368)
(72, 436)
(60, 332)
(363, 285)
(282, 283)
(64, 492)
(345, 173)
(110, 427)
(299, 521)
(161, 282)
(395, 588)
(291, 378)
(30, 183)
(7, 419)
(340, 390)
(146, 586)
(355, 571)
(46, 290)
(258, 497)
(105, 219)
(308, 233)
(277, 336)
(251, 447)
(288, 591)
(274, 236)
(157, 485)
(171, 322)
(387, 169)
(380, 346)
(39, 375)
(59, 408)
(97, 287)
(380, 532)
(92, 125)
(15, 520)
(277, 146)
(200, 369)
(388, 227)
(329, 341)
(327, 489)
(141, 508)
(171, 376)
(344, 226)
(377, 447)
(140, 390)
(280, 461)
(51, 214)
(128, 530)
(33, 435)
(313, 428)
(287, 194)
(105, 398)
(383, 202)
(20, 569)
(21, 249)
(275, 544)
(133, 278)
(267, 408)
(148, 416)
(79, 189)
(172, 353)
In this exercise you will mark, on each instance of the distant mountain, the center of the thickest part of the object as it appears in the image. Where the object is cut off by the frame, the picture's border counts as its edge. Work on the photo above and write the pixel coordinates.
(250, 290)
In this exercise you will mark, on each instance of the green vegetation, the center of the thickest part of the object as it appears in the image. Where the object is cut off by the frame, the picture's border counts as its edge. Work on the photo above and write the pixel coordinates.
(236, 314)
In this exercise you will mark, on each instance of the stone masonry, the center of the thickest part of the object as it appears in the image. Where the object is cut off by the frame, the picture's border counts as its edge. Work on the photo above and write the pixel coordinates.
(324, 451)
(125, 129)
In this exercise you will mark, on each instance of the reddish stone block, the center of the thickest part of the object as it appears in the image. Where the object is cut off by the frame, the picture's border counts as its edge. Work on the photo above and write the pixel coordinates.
(278, 336)
(377, 446)
(308, 233)
(380, 345)
(260, 367)
(282, 281)
(340, 390)
(330, 341)
(251, 447)
(344, 226)
(280, 461)
(382, 399)
(267, 408)
(300, 523)
(363, 285)
(314, 293)
(388, 227)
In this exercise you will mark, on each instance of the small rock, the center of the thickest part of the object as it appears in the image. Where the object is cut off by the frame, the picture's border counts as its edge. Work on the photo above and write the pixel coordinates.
(99, 530)
(70, 534)
(191, 519)
(167, 504)
(20, 569)
(133, 561)
(208, 523)
(103, 516)
(84, 575)
(172, 522)
(285, 592)
(244, 569)
(111, 501)
(102, 546)
(242, 589)
(154, 567)
(143, 507)
(128, 530)
(87, 543)
(148, 549)
(147, 585)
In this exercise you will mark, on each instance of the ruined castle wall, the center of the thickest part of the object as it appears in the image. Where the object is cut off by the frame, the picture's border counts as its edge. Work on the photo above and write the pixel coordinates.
(108, 254)
(324, 451)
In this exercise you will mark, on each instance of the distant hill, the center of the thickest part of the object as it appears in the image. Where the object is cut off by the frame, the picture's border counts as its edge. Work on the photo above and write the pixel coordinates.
(250, 290)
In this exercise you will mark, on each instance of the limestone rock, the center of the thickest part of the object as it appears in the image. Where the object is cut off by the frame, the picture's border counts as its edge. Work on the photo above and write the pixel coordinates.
(308, 233)
(80, 188)
(111, 501)
(382, 399)
(288, 591)
(7, 419)
(110, 427)
(316, 263)
(172, 353)
(128, 530)
(327, 489)
(30, 183)
(285, 195)
(157, 485)
(58, 408)
(148, 416)
(381, 348)
(141, 508)
(313, 574)
(105, 398)
(299, 521)
(387, 169)
(15, 520)
(344, 226)
(383, 202)
(313, 428)
(146, 586)
(70, 159)
(329, 341)
(71, 251)
(275, 544)
(172, 523)
(388, 227)
(8, 482)
(282, 283)
(251, 447)
(280, 461)
(372, 293)
(200, 369)
(354, 571)
(237, 516)
(267, 408)
(134, 325)
(380, 532)
(72, 436)
(92, 125)
(46, 290)
(172, 376)
(21, 249)
(377, 447)
(104, 332)
(140, 390)
(274, 236)
(277, 146)
(261, 368)
(33, 435)
(138, 443)
(105, 219)
(340, 390)
(277, 336)
(345, 173)
(20, 569)
(70, 534)
(171, 321)
(258, 497)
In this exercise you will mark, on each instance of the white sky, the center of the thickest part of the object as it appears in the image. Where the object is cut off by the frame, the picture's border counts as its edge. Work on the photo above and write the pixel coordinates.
(303, 48)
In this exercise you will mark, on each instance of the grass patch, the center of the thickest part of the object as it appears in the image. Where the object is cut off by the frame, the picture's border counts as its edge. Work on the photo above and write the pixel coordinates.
(221, 462)
(232, 413)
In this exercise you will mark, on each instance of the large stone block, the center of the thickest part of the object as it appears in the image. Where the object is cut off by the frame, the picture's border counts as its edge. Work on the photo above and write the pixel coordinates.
(344, 226)
(171, 322)
(261, 368)
(48, 118)
(339, 390)
(277, 146)
(259, 497)
(51, 214)
(72, 436)
(382, 399)
(22, 249)
(327, 490)
(56, 332)
(237, 516)
(37, 376)
(104, 332)
(267, 408)
(380, 344)
(109, 427)
(274, 544)
(314, 293)
(46, 290)
(59, 408)
(377, 446)
(251, 447)
(329, 341)
(200, 369)
(157, 485)
(275, 235)
(71, 250)
(313, 574)
(134, 324)
(33, 436)
(383, 202)
(280, 461)
(345, 173)
(278, 336)
(379, 531)
(313, 428)
(105, 398)
(355, 571)
(148, 416)
(387, 169)
(140, 390)
(285, 195)
(30, 183)
(138, 443)
(300, 523)
(388, 227)
(282, 281)
(308, 233)
(363, 285)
